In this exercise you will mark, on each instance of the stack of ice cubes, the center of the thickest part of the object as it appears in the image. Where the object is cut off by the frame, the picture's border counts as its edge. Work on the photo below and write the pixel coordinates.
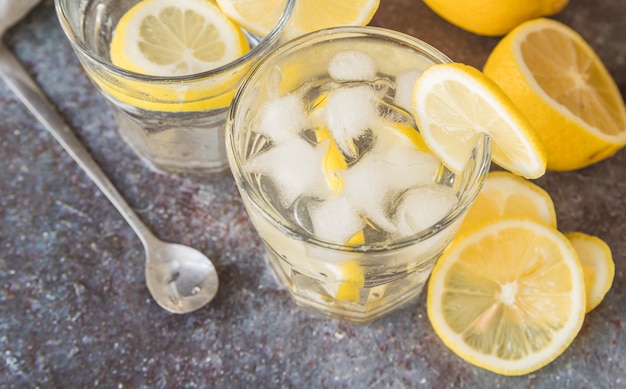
(389, 184)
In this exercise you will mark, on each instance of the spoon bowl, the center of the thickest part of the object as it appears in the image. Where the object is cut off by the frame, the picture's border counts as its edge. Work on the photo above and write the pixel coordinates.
(180, 278)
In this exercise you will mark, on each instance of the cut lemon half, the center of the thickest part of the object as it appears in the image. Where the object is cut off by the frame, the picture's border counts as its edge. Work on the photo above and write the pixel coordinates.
(169, 38)
(562, 86)
(508, 297)
(455, 104)
(598, 266)
(506, 195)
(260, 16)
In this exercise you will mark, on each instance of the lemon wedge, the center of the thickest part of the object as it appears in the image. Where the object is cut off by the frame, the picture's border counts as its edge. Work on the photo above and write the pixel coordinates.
(598, 266)
(260, 16)
(506, 195)
(508, 297)
(564, 89)
(454, 104)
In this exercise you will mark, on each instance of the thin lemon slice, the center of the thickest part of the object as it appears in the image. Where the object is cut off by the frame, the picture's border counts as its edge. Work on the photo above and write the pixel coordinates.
(564, 89)
(506, 195)
(174, 38)
(598, 266)
(171, 38)
(260, 16)
(454, 104)
(508, 297)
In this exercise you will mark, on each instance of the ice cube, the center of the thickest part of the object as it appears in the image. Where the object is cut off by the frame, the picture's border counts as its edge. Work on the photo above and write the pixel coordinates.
(405, 165)
(282, 118)
(348, 114)
(422, 207)
(295, 168)
(352, 65)
(366, 186)
(404, 89)
(335, 220)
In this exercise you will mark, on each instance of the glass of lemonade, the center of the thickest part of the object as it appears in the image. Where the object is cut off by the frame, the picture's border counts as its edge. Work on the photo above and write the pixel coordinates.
(352, 207)
(176, 123)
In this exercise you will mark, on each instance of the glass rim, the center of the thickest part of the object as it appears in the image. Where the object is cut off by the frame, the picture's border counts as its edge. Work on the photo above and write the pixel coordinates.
(263, 44)
(466, 198)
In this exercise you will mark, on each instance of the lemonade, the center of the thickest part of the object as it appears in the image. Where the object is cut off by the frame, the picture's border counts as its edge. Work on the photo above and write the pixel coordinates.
(352, 207)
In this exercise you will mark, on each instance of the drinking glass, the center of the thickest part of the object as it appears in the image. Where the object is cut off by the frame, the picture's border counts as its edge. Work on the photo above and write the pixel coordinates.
(175, 123)
(305, 212)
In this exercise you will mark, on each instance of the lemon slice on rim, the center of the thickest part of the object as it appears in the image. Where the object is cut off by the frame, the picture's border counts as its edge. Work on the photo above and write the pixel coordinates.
(598, 266)
(506, 195)
(564, 89)
(260, 16)
(169, 38)
(454, 104)
(508, 297)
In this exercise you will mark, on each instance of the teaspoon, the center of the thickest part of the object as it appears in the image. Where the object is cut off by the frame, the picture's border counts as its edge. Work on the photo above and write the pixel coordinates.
(180, 278)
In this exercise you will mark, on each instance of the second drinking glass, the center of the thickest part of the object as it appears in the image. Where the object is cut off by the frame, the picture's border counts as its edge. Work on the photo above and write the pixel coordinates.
(175, 122)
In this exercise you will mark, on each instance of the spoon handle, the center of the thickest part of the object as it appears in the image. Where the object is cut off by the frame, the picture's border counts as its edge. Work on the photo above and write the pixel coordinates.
(37, 102)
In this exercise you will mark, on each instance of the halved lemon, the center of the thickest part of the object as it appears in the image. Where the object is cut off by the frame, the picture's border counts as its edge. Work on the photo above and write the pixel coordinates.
(169, 38)
(454, 104)
(506, 195)
(508, 297)
(564, 89)
(260, 16)
(598, 266)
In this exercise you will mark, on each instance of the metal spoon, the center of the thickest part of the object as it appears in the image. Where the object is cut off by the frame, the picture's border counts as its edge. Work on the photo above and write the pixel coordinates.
(181, 279)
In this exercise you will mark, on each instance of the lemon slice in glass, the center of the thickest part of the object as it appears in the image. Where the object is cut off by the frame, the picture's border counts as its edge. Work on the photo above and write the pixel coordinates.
(508, 297)
(175, 38)
(169, 38)
(564, 89)
(260, 16)
(454, 104)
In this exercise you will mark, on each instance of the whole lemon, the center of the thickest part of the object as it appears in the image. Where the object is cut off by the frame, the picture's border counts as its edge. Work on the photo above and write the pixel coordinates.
(493, 17)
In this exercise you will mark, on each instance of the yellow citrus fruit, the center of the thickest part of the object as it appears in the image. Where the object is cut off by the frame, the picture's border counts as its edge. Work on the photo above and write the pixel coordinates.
(169, 38)
(508, 297)
(598, 266)
(562, 86)
(455, 104)
(493, 18)
(506, 195)
(260, 16)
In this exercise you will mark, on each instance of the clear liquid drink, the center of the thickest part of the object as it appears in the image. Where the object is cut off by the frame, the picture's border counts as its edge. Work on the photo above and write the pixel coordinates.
(352, 207)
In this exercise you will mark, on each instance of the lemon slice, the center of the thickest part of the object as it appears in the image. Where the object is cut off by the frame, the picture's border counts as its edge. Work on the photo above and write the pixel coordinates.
(598, 266)
(260, 16)
(506, 195)
(454, 104)
(174, 38)
(563, 88)
(509, 297)
(168, 38)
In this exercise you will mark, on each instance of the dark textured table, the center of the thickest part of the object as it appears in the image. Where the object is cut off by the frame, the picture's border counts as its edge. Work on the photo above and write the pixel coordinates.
(74, 309)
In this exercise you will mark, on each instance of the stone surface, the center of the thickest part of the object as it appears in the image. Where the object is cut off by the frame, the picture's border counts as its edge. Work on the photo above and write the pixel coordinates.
(74, 310)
